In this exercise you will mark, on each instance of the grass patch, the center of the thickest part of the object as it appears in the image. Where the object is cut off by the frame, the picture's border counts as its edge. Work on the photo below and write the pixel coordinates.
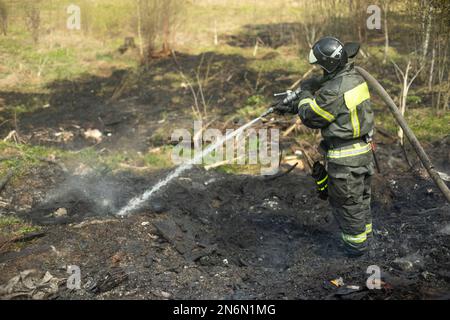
(254, 169)
(29, 67)
(426, 124)
(253, 107)
(21, 157)
(291, 64)
(377, 52)
(11, 227)
(159, 160)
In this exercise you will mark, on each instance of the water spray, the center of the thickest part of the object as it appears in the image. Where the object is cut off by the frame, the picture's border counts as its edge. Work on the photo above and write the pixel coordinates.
(353, 49)
(137, 202)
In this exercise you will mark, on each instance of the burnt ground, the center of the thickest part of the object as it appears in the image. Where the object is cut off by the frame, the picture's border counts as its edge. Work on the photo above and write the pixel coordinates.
(212, 235)
(208, 234)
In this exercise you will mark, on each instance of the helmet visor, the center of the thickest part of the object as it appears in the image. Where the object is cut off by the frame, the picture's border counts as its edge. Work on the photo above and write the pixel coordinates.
(312, 58)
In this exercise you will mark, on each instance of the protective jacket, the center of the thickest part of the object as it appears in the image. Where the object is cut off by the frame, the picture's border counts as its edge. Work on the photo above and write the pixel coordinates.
(341, 108)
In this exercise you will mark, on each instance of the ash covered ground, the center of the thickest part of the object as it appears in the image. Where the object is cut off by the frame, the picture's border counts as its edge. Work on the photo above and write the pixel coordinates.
(218, 236)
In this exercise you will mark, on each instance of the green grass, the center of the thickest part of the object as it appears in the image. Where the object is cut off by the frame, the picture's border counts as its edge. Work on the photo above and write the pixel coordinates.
(253, 107)
(23, 157)
(287, 63)
(377, 52)
(425, 123)
(159, 160)
(8, 221)
(104, 57)
(30, 67)
(11, 226)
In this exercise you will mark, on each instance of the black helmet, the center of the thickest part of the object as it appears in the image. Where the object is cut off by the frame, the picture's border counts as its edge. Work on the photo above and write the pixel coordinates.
(328, 53)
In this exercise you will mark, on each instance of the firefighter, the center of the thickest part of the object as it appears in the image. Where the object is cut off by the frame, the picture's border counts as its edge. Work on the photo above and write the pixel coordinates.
(339, 105)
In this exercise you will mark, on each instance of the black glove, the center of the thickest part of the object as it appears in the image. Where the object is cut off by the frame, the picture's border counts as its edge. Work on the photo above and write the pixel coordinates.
(282, 109)
(320, 175)
(311, 84)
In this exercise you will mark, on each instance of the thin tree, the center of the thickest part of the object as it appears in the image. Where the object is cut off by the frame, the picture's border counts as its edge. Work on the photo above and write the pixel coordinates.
(406, 83)
(386, 31)
(3, 17)
(33, 18)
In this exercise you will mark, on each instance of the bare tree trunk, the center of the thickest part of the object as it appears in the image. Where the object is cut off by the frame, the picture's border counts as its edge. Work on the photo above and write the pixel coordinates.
(33, 16)
(3, 17)
(430, 78)
(139, 29)
(167, 8)
(216, 37)
(442, 66)
(386, 31)
(447, 94)
(404, 77)
(404, 95)
(427, 30)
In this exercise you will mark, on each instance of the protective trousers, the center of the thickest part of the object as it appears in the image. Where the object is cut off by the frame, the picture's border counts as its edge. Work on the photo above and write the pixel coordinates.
(349, 195)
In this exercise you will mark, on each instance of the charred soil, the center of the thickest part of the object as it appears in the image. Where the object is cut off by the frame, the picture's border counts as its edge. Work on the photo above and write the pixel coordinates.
(213, 235)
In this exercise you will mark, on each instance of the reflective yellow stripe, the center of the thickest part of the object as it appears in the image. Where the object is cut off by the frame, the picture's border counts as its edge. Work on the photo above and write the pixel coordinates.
(355, 123)
(368, 228)
(321, 189)
(353, 98)
(318, 110)
(359, 238)
(356, 96)
(323, 180)
(355, 150)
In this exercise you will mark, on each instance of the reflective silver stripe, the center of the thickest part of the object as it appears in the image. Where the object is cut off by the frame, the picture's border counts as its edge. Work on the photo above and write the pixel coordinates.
(336, 52)
(359, 238)
(354, 150)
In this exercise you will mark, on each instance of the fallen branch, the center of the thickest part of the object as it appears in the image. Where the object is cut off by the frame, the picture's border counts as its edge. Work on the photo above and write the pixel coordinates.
(129, 166)
(22, 238)
(291, 128)
(12, 135)
(432, 209)
(281, 174)
(93, 222)
(385, 133)
(221, 163)
(444, 176)
(296, 83)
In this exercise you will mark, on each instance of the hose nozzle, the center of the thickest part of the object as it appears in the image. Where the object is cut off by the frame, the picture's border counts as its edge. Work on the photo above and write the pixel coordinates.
(268, 111)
